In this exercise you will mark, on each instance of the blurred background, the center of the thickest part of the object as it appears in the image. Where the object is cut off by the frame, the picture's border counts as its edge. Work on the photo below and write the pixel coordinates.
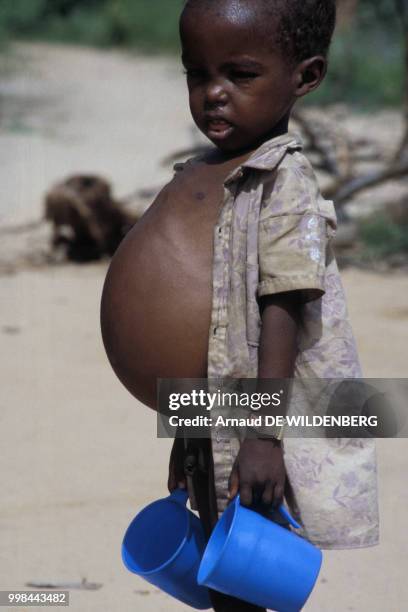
(93, 114)
(367, 78)
(367, 59)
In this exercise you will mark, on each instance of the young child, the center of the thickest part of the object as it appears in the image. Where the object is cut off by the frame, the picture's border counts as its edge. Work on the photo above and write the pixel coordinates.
(239, 243)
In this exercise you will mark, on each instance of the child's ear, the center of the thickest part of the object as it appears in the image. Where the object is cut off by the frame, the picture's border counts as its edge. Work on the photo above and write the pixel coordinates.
(309, 74)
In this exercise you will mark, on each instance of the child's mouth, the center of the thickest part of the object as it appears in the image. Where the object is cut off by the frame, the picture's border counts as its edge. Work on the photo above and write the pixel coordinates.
(218, 129)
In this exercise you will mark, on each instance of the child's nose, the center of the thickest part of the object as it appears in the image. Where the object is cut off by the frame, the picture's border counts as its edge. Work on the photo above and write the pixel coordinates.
(216, 94)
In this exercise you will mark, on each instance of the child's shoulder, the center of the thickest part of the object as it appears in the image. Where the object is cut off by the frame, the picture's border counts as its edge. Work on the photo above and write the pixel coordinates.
(205, 156)
(188, 163)
(294, 173)
(293, 189)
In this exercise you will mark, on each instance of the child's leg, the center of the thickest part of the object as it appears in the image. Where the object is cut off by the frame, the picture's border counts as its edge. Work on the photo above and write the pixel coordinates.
(200, 465)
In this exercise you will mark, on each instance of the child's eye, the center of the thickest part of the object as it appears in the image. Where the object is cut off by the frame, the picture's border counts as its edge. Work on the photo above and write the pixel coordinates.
(243, 75)
(193, 74)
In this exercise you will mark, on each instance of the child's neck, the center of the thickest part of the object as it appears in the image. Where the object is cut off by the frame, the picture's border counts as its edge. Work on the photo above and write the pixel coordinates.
(243, 154)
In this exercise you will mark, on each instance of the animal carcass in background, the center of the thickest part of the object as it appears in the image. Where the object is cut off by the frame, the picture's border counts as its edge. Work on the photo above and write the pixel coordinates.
(88, 222)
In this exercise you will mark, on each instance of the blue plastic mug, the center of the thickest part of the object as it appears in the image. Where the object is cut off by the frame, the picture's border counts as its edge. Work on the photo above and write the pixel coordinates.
(164, 544)
(253, 558)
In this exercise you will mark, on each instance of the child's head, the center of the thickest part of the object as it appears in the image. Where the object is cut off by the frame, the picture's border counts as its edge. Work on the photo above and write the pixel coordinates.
(248, 61)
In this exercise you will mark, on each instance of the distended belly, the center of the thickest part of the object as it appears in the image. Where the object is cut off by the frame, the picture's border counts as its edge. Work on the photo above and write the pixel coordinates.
(156, 304)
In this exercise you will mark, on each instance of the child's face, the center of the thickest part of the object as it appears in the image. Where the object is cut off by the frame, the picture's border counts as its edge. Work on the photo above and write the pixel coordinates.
(241, 90)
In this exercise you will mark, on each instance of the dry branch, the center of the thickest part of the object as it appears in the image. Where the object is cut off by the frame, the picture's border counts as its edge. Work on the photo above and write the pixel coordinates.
(341, 194)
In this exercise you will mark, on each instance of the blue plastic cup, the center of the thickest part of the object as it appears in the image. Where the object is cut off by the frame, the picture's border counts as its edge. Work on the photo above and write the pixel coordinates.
(164, 544)
(253, 558)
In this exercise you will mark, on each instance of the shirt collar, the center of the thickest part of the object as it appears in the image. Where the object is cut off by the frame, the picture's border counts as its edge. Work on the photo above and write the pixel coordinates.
(268, 155)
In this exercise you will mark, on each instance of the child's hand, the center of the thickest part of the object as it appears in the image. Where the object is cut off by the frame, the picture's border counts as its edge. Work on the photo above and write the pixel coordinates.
(177, 478)
(258, 473)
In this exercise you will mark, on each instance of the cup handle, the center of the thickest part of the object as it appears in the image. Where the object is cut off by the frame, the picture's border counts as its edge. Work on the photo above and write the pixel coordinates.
(180, 496)
(283, 511)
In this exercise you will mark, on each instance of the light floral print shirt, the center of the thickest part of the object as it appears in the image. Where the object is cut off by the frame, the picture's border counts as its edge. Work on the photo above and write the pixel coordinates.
(273, 235)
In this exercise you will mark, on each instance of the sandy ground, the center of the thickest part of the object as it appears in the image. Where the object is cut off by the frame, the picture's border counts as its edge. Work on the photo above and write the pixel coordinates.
(79, 455)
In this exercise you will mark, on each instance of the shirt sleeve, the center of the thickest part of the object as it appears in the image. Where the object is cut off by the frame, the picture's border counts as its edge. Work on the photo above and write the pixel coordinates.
(295, 227)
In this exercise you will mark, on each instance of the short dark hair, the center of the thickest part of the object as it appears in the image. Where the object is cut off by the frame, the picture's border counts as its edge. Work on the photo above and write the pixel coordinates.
(305, 27)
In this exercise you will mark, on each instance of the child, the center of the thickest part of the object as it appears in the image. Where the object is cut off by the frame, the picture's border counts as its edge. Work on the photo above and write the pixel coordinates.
(246, 63)
(239, 243)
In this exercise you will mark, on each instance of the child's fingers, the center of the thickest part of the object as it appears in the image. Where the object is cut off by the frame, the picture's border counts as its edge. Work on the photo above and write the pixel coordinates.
(267, 496)
(245, 491)
(233, 483)
(171, 482)
(176, 482)
(180, 480)
(180, 475)
(177, 478)
(278, 495)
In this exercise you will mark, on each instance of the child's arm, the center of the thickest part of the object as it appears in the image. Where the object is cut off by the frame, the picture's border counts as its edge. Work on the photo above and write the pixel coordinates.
(277, 349)
(259, 467)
